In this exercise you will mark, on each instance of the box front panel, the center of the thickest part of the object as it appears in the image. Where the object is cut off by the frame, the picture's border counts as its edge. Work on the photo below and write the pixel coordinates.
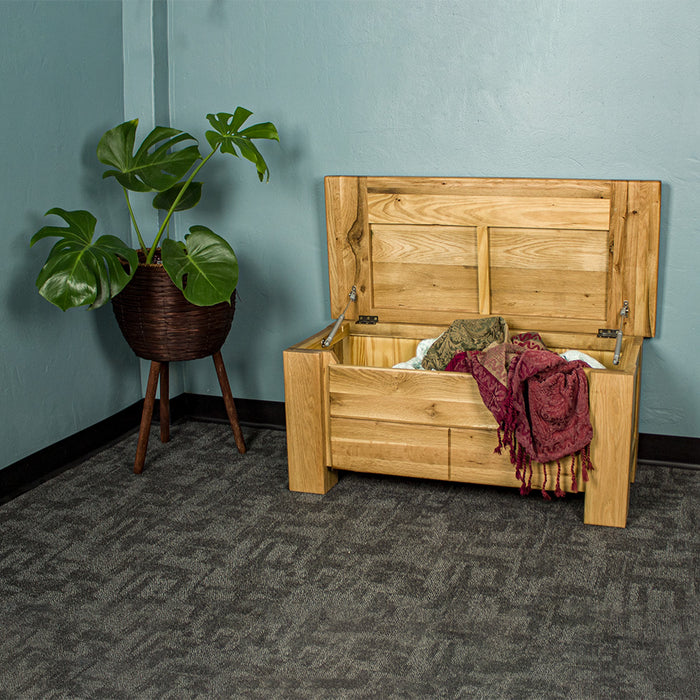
(407, 396)
(473, 460)
(389, 448)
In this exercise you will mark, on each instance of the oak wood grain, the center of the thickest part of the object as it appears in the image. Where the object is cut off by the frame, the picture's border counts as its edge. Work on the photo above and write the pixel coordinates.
(554, 256)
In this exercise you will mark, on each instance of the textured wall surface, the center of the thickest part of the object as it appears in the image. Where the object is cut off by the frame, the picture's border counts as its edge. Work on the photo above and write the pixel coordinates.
(61, 81)
(528, 89)
(384, 87)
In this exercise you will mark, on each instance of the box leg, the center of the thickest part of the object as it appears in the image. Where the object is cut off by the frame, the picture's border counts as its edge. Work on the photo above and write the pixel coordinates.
(612, 398)
(305, 405)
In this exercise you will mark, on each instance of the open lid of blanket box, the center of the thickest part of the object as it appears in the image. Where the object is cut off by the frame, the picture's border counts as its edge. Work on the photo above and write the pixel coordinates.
(550, 255)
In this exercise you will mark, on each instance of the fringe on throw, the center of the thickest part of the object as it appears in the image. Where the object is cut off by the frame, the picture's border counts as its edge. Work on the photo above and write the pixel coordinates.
(523, 463)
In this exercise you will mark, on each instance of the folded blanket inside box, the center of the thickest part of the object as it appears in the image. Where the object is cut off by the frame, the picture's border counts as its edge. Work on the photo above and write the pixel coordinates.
(465, 334)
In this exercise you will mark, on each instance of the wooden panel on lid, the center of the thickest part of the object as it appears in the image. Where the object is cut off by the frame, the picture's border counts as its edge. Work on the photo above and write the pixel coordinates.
(495, 210)
(550, 254)
(486, 186)
(560, 273)
(643, 225)
(346, 229)
(424, 267)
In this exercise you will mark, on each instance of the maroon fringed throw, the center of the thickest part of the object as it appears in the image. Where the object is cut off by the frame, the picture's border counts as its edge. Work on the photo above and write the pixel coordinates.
(540, 402)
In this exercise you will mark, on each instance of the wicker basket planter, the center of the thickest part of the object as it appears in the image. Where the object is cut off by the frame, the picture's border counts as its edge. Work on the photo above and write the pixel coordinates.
(159, 324)
(157, 321)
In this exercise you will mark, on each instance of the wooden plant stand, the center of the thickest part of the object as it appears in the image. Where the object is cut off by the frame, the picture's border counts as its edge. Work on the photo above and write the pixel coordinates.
(160, 371)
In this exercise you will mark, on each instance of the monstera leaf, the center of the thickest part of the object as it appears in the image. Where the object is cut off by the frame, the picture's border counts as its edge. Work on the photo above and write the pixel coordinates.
(204, 267)
(154, 166)
(78, 271)
(229, 137)
(190, 198)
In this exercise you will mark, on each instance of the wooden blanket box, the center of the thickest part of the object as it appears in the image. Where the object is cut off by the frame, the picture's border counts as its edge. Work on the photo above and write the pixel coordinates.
(560, 257)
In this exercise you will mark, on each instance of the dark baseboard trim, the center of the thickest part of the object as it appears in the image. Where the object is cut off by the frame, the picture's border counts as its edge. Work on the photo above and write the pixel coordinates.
(253, 412)
(54, 459)
(669, 450)
(41, 466)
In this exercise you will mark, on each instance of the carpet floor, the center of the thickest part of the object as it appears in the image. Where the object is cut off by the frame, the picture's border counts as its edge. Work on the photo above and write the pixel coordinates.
(205, 577)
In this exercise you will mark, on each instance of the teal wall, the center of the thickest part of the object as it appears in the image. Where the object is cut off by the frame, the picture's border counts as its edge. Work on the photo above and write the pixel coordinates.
(61, 86)
(568, 88)
(562, 88)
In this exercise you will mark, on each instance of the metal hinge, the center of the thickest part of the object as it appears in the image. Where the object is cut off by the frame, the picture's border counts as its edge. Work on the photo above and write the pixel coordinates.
(612, 333)
(367, 320)
(351, 297)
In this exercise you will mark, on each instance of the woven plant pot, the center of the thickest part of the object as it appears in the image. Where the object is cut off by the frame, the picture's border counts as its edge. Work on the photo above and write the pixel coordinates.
(159, 324)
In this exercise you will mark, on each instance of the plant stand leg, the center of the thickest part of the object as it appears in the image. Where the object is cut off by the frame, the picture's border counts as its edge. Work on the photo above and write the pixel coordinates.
(147, 416)
(228, 401)
(164, 401)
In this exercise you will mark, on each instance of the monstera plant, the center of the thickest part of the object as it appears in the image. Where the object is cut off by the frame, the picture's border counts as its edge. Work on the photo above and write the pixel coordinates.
(83, 271)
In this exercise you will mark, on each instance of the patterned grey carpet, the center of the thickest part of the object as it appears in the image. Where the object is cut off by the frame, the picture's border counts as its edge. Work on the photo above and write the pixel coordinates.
(206, 578)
